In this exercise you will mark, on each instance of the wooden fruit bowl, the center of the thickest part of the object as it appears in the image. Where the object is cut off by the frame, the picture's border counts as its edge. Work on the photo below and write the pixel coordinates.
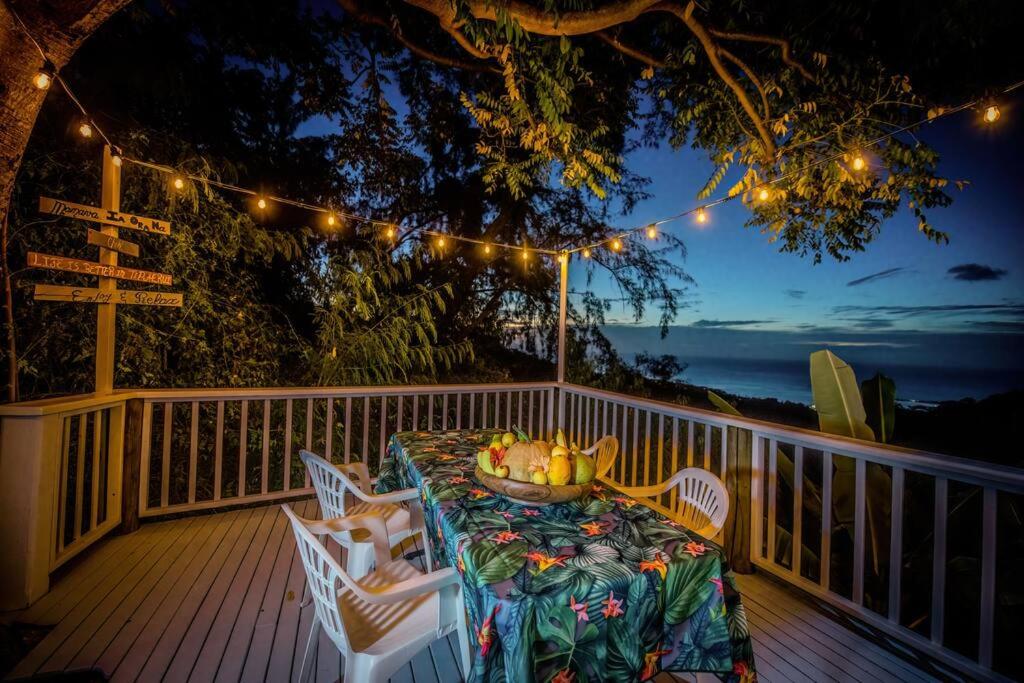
(533, 494)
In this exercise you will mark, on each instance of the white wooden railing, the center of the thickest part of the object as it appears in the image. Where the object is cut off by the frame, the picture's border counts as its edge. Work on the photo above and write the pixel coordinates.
(654, 433)
(197, 449)
(229, 447)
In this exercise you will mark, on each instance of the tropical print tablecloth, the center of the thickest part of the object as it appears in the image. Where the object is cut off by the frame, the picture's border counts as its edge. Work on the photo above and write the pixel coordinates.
(603, 589)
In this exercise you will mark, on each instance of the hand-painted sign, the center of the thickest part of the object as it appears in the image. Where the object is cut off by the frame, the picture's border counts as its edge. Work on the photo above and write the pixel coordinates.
(59, 207)
(91, 295)
(98, 239)
(73, 265)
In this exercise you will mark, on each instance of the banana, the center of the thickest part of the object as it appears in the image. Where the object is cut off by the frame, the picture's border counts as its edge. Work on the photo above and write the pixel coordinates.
(560, 438)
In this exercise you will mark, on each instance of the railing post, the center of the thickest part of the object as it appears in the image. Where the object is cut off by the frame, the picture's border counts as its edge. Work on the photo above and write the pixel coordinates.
(132, 465)
(738, 475)
(29, 470)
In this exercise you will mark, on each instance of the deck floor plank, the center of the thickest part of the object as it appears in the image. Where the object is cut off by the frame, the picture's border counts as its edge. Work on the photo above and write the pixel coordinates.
(160, 603)
(217, 597)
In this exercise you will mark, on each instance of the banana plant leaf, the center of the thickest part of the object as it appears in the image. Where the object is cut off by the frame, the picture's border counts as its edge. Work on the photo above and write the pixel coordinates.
(837, 398)
(880, 405)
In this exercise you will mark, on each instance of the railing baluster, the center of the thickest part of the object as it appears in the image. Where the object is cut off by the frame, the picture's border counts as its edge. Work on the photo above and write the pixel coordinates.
(798, 509)
(80, 475)
(896, 544)
(756, 494)
(97, 473)
(673, 499)
(661, 449)
(939, 560)
(218, 452)
(309, 436)
(458, 411)
(826, 518)
(165, 464)
(497, 410)
(382, 448)
(772, 495)
(366, 429)
(990, 502)
(529, 418)
(415, 398)
(144, 455)
(519, 410)
(622, 443)
(636, 443)
(348, 429)
(444, 413)
(724, 445)
(595, 432)
(548, 404)
(193, 452)
(691, 427)
(585, 416)
(329, 430)
(265, 462)
(430, 412)
(859, 522)
(65, 464)
(287, 445)
(483, 413)
(707, 446)
(243, 438)
(398, 416)
(647, 449)
(472, 410)
(508, 411)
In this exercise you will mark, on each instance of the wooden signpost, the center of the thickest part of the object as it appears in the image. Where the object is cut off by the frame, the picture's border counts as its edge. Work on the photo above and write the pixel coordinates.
(106, 295)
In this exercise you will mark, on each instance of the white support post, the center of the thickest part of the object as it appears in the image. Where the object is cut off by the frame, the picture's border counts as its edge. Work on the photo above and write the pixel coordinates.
(29, 472)
(106, 313)
(563, 297)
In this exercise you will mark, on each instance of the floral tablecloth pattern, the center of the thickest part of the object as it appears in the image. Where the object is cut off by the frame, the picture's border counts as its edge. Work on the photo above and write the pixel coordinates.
(601, 589)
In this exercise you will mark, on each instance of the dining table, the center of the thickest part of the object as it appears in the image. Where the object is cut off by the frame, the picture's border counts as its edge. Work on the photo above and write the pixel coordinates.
(603, 588)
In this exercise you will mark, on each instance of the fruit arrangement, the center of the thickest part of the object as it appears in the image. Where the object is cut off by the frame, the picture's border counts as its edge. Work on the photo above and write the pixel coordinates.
(516, 456)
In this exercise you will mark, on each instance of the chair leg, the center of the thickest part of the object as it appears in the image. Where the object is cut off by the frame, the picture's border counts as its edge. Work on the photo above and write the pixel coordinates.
(307, 658)
(427, 559)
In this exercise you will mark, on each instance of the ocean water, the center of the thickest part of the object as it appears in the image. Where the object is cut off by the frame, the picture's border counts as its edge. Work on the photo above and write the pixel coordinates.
(789, 380)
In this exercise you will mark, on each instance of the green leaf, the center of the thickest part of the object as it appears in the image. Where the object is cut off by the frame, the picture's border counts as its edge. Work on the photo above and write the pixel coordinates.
(722, 405)
(687, 587)
(880, 405)
(490, 562)
(836, 397)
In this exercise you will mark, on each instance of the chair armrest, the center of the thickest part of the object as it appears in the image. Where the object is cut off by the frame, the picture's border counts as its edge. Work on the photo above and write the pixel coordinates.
(371, 522)
(362, 475)
(644, 491)
(410, 588)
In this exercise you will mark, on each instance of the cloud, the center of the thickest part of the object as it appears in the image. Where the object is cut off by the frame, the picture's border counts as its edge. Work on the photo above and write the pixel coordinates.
(938, 310)
(795, 293)
(881, 275)
(1000, 325)
(975, 272)
(869, 323)
(728, 323)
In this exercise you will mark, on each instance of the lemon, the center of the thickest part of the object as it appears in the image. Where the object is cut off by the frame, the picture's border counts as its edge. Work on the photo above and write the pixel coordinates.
(539, 478)
(559, 470)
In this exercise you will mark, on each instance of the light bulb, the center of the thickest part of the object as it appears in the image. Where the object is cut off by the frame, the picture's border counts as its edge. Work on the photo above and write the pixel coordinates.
(487, 249)
(390, 232)
(440, 242)
(261, 203)
(116, 161)
(616, 244)
(763, 195)
(858, 163)
(702, 216)
(526, 255)
(42, 80)
(563, 257)
(330, 220)
(992, 114)
(652, 232)
(586, 252)
(179, 183)
(85, 130)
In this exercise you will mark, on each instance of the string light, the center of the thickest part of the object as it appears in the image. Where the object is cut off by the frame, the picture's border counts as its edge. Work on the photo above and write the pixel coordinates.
(440, 242)
(116, 160)
(858, 163)
(563, 257)
(179, 183)
(85, 130)
(331, 220)
(487, 249)
(526, 255)
(616, 244)
(42, 80)
(652, 231)
(390, 232)
(261, 203)
(764, 194)
(586, 252)
(992, 113)
(702, 216)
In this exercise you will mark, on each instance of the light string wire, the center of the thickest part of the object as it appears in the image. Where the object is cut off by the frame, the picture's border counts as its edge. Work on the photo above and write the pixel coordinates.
(441, 235)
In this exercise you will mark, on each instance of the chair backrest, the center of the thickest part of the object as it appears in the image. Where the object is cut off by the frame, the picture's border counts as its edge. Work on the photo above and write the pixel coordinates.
(703, 501)
(330, 484)
(323, 575)
(604, 452)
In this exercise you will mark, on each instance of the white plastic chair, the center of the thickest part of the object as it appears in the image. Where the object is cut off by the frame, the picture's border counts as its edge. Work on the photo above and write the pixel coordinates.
(703, 499)
(378, 622)
(332, 482)
(603, 452)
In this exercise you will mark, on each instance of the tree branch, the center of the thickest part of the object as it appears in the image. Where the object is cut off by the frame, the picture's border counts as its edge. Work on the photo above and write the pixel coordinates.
(629, 51)
(781, 43)
(711, 49)
(353, 8)
(533, 19)
(752, 76)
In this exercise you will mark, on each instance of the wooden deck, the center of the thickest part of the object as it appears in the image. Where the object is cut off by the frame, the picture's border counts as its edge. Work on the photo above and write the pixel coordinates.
(217, 598)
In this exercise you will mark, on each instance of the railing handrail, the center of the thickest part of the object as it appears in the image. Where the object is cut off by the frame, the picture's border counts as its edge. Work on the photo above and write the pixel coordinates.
(951, 466)
(49, 406)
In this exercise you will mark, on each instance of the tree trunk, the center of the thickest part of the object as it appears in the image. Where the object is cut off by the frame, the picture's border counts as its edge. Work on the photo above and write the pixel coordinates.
(59, 28)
